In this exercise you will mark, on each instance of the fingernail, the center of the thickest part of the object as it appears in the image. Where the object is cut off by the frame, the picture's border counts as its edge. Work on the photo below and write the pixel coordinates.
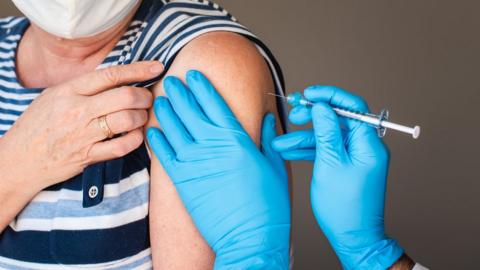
(160, 101)
(310, 89)
(156, 68)
(276, 142)
(271, 119)
(192, 73)
(169, 81)
(150, 133)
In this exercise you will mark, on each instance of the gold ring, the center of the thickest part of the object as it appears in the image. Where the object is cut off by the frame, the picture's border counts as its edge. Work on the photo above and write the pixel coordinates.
(102, 123)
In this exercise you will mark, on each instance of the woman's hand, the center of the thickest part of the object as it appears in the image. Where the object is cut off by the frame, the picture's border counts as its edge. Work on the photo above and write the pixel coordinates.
(59, 134)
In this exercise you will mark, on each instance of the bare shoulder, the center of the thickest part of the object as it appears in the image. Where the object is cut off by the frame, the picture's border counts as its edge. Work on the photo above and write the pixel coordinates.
(237, 70)
(225, 52)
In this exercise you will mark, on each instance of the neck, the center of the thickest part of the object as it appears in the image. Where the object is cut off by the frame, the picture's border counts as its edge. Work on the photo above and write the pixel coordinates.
(44, 59)
(75, 50)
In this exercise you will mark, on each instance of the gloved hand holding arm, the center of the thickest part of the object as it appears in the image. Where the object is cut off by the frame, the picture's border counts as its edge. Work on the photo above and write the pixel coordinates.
(236, 195)
(349, 179)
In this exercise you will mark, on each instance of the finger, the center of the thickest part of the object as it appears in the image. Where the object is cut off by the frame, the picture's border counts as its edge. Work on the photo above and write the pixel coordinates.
(117, 147)
(328, 135)
(118, 122)
(337, 97)
(300, 154)
(295, 140)
(161, 148)
(186, 107)
(107, 78)
(173, 128)
(360, 137)
(363, 143)
(300, 115)
(127, 120)
(214, 106)
(122, 98)
(269, 133)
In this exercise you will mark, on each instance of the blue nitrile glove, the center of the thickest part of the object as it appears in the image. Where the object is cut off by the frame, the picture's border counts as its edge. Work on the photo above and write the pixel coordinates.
(237, 196)
(349, 179)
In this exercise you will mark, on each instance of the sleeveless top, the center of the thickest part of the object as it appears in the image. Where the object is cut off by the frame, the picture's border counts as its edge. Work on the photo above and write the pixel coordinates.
(99, 219)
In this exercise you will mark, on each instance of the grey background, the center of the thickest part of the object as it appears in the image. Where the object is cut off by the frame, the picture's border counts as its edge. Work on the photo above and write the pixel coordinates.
(421, 60)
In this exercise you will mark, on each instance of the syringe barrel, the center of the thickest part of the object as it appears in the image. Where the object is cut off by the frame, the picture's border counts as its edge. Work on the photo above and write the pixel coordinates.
(358, 116)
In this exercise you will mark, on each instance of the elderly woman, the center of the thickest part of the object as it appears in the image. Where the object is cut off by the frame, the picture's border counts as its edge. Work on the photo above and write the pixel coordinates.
(77, 187)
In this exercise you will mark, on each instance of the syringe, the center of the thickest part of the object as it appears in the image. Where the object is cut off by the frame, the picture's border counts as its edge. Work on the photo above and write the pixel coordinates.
(378, 121)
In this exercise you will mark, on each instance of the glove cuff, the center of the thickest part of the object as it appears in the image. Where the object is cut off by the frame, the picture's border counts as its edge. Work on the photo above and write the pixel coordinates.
(382, 255)
(273, 261)
(265, 248)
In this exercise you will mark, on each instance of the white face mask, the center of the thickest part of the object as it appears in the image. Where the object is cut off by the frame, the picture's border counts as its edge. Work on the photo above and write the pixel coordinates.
(75, 18)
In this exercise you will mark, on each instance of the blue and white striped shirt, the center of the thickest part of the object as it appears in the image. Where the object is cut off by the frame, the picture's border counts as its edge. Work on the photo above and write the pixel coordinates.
(99, 219)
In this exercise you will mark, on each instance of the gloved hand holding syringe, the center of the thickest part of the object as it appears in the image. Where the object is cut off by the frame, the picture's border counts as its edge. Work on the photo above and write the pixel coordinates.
(378, 121)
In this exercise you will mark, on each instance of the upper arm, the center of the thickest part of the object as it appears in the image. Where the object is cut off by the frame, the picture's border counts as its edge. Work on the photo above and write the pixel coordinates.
(236, 69)
(241, 75)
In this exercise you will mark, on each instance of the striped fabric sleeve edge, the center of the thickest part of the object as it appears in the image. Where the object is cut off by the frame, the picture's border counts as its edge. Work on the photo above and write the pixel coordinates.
(143, 257)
